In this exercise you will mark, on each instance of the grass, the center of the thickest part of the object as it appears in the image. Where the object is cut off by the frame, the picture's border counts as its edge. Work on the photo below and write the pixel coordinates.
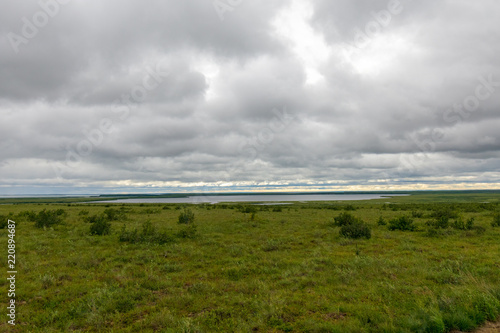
(249, 268)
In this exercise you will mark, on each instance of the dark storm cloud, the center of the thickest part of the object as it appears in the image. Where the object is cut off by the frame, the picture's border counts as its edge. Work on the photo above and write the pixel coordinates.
(118, 35)
(132, 94)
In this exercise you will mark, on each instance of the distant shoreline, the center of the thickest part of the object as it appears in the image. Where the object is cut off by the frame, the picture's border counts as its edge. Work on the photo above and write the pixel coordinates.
(86, 198)
(255, 198)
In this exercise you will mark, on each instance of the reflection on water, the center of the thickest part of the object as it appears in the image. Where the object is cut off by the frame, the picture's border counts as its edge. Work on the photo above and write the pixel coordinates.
(259, 198)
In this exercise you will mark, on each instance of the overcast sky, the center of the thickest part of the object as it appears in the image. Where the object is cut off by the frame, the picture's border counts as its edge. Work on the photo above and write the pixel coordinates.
(160, 96)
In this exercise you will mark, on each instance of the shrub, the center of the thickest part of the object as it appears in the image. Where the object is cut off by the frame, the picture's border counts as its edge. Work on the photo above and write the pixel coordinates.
(149, 211)
(417, 214)
(496, 220)
(461, 225)
(148, 230)
(356, 230)
(162, 238)
(188, 232)
(4, 221)
(100, 226)
(48, 218)
(403, 223)
(447, 213)
(114, 214)
(28, 214)
(186, 216)
(246, 209)
(480, 230)
(441, 222)
(93, 218)
(344, 219)
(433, 233)
(128, 236)
(470, 224)
(149, 234)
(381, 221)
(83, 213)
(349, 208)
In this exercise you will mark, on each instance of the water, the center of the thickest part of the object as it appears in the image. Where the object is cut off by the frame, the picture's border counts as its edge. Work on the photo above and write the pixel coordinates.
(259, 198)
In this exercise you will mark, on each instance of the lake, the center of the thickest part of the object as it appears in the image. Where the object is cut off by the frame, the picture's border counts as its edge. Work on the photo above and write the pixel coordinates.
(258, 198)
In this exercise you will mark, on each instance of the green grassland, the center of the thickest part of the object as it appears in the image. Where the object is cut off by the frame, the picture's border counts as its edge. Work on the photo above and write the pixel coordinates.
(247, 268)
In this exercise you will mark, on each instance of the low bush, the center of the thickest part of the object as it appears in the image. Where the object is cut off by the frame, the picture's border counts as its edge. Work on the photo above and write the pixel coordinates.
(114, 214)
(100, 225)
(186, 216)
(480, 230)
(351, 226)
(28, 215)
(459, 224)
(149, 211)
(446, 213)
(349, 208)
(129, 236)
(441, 222)
(431, 232)
(356, 230)
(83, 212)
(187, 232)
(4, 220)
(403, 223)
(496, 220)
(381, 221)
(246, 208)
(93, 218)
(344, 219)
(148, 234)
(417, 214)
(48, 218)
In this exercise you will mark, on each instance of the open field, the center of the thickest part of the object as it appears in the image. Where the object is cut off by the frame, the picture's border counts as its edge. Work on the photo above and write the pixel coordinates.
(244, 268)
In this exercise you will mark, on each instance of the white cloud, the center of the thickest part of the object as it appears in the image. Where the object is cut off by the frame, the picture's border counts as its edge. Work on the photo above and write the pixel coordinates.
(293, 26)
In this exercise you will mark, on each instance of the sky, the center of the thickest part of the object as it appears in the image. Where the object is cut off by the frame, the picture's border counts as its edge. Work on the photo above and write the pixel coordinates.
(238, 95)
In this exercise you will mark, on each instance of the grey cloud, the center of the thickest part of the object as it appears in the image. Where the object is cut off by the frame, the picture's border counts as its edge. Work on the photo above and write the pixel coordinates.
(340, 20)
(380, 114)
(118, 34)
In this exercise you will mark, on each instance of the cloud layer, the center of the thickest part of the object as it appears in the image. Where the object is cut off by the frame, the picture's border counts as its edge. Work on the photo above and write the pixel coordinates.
(171, 96)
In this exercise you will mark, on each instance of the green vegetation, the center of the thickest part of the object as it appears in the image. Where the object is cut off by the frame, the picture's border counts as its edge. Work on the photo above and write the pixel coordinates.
(461, 225)
(186, 217)
(496, 220)
(352, 227)
(356, 230)
(48, 218)
(345, 219)
(403, 223)
(100, 225)
(4, 220)
(381, 221)
(305, 267)
(148, 234)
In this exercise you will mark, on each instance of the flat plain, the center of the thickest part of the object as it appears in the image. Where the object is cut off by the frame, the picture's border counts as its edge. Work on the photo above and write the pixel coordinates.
(430, 264)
